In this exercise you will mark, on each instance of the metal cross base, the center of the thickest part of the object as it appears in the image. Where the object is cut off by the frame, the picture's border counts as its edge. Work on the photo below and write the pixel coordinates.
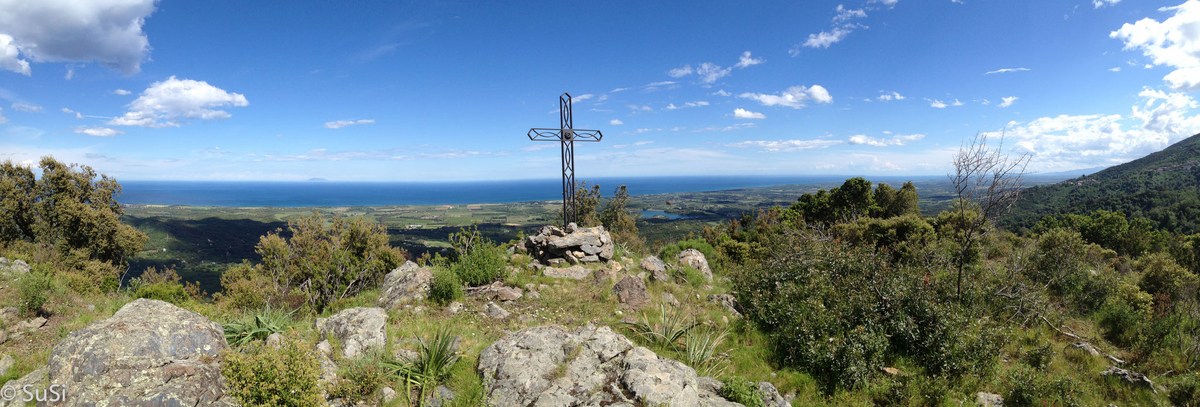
(566, 134)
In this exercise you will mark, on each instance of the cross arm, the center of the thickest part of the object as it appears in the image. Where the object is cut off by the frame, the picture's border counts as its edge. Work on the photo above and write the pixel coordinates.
(537, 134)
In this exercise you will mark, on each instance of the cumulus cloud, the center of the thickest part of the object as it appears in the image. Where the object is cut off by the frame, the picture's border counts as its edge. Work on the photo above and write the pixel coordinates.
(343, 123)
(888, 3)
(1102, 3)
(1008, 101)
(97, 131)
(824, 39)
(1114, 69)
(886, 96)
(121, 92)
(1005, 70)
(640, 108)
(69, 111)
(794, 97)
(680, 71)
(688, 104)
(1066, 142)
(710, 72)
(615, 122)
(581, 98)
(108, 32)
(745, 60)
(785, 146)
(746, 114)
(21, 107)
(175, 99)
(1172, 42)
(937, 103)
(844, 14)
(897, 140)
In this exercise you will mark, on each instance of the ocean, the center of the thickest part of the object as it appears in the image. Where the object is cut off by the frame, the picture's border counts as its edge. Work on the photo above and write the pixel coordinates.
(325, 193)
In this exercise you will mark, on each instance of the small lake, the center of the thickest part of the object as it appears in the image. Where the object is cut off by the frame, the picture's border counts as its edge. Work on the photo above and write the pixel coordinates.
(670, 216)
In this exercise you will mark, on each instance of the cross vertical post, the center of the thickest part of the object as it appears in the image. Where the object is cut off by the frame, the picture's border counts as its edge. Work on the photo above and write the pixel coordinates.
(566, 134)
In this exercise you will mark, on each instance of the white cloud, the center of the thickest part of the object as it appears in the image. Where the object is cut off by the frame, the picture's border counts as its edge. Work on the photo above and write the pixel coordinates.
(890, 96)
(1008, 101)
(537, 146)
(745, 60)
(1102, 3)
(2, 118)
(10, 56)
(710, 72)
(634, 144)
(121, 92)
(786, 146)
(697, 103)
(746, 114)
(794, 97)
(657, 84)
(618, 90)
(21, 107)
(956, 103)
(844, 14)
(897, 140)
(722, 92)
(1116, 69)
(175, 99)
(738, 126)
(942, 105)
(1004, 70)
(640, 108)
(97, 131)
(106, 31)
(1173, 42)
(343, 123)
(581, 98)
(824, 39)
(680, 72)
(69, 111)
(615, 122)
(888, 3)
(1067, 142)
(602, 98)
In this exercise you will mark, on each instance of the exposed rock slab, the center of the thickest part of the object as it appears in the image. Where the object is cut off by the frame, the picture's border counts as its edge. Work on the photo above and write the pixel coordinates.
(631, 292)
(573, 272)
(696, 259)
(553, 366)
(358, 329)
(148, 353)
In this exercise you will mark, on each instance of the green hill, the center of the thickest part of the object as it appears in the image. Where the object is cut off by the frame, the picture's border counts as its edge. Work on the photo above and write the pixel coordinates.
(1163, 187)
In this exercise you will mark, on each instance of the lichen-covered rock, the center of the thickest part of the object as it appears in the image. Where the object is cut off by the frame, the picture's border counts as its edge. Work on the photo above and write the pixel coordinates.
(494, 311)
(407, 283)
(572, 244)
(590, 366)
(497, 291)
(989, 399)
(653, 264)
(36, 379)
(695, 258)
(358, 329)
(148, 353)
(573, 272)
(631, 292)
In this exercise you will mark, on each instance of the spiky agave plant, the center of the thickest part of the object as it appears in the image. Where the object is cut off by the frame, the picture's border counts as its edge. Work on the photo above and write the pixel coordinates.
(435, 357)
(700, 347)
(257, 325)
(673, 325)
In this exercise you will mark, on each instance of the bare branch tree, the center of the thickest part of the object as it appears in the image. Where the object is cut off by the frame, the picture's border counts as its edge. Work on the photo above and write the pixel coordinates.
(984, 177)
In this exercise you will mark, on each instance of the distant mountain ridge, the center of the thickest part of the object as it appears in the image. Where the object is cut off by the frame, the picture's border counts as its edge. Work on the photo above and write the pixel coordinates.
(1162, 187)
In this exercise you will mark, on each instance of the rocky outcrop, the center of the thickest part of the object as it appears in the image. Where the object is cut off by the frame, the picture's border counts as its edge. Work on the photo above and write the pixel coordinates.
(696, 260)
(36, 379)
(631, 293)
(14, 267)
(148, 353)
(407, 283)
(989, 399)
(571, 244)
(589, 366)
(497, 291)
(573, 272)
(357, 329)
(656, 268)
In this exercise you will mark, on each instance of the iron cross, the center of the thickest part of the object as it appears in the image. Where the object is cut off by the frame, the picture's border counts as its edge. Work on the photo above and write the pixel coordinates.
(567, 135)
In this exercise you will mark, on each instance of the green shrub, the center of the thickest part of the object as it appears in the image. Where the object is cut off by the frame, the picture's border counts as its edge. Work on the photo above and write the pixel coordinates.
(481, 264)
(445, 287)
(34, 290)
(435, 360)
(1161, 275)
(1039, 358)
(257, 326)
(693, 277)
(1029, 388)
(259, 375)
(358, 381)
(162, 286)
(1186, 391)
(741, 390)
(244, 287)
(1120, 322)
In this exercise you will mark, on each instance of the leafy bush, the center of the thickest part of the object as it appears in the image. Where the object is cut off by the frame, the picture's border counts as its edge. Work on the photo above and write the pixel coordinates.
(445, 287)
(34, 290)
(1029, 388)
(1039, 358)
(741, 390)
(479, 262)
(257, 326)
(1161, 275)
(904, 236)
(1186, 391)
(318, 263)
(68, 209)
(1120, 322)
(259, 375)
(361, 378)
(162, 286)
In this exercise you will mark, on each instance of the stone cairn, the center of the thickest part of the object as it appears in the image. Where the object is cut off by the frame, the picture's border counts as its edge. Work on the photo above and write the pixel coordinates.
(572, 244)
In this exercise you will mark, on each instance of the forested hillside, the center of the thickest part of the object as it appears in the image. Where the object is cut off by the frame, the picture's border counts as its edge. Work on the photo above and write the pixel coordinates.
(1162, 188)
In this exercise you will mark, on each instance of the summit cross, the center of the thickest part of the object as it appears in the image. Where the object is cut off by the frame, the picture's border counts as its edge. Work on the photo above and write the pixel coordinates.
(567, 135)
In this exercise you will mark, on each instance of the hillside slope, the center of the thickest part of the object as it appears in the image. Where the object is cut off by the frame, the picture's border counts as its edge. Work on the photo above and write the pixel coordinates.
(1163, 187)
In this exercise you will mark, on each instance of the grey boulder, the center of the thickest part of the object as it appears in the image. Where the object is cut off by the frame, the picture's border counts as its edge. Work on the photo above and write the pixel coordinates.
(407, 283)
(358, 329)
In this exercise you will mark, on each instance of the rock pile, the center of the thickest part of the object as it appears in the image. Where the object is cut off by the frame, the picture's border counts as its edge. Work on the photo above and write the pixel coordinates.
(13, 268)
(571, 244)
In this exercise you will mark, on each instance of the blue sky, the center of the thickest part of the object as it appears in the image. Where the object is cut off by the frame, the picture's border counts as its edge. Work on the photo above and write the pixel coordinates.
(439, 91)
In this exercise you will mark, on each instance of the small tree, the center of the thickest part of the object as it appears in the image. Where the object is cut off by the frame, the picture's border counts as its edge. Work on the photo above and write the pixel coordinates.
(988, 178)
